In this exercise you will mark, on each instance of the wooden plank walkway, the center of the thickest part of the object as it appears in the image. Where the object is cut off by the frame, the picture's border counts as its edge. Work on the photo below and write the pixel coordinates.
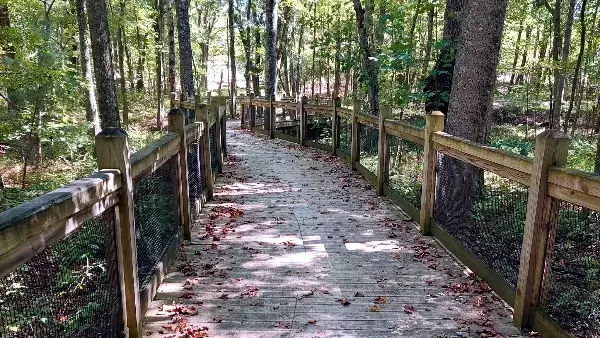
(296, 244)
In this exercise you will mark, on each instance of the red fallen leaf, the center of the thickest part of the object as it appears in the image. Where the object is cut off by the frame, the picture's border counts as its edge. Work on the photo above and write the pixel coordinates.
(344, 301)
(429, 282)
(409, 309)
(380, 300)
(250, 292)
(481, 301)
(458, 287)
(289, 244)
(188, 295)
(311, 321)
(484, 287)
(184, 310)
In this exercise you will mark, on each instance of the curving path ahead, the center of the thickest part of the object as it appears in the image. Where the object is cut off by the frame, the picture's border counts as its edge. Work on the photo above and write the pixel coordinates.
(296, 244)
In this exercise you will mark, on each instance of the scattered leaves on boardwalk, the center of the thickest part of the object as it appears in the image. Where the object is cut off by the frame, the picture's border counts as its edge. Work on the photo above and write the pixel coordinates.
(296, 244)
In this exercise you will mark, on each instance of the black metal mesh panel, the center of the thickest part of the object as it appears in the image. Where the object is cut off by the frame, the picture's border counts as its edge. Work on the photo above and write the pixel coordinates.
(318, 128)
(70, 289)
(572, 288)
(195, 172)
(406, 169)
(157, 221)
(483, 211)
(224, 136)
(213, 147)
(368, 137)
(246, 112)
(345, 130)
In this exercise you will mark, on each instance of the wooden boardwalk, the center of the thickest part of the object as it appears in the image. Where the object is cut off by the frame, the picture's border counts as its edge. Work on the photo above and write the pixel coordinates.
(296, 244)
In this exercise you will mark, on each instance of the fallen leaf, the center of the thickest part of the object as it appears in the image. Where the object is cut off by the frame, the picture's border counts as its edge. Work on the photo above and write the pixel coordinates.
(344, 301)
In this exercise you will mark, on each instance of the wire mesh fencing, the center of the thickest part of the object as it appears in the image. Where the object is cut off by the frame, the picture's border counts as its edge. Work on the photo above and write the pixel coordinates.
(345, 130)
(405, 176)
(484, 212)
(260, 116)
(212, 140)
(195, 161)
(571, 290)
(70, 289)
(368, 138)
(223, 125)
(318, 128)
(157, 221)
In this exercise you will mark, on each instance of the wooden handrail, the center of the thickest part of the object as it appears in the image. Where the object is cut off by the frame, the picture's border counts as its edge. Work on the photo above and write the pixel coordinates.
(31, 227)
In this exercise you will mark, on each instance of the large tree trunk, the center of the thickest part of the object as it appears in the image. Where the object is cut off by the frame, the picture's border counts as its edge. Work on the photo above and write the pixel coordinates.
(470, 107)
(185, 53)
(103, 67)
(370, 66)
(232, 64)
(89, 89)
(314, 50)
(158, 30)
(123, 86)
(577, 67)
(257, 66)
(438, 84)
(270, 53)
(562, 58)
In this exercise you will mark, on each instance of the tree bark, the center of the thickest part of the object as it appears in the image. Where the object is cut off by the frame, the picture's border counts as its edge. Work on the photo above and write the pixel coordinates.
(89, 89)
(185, 53)
(470, 107)
(429, 43)
(513, 76)
(270, 53)
(560, 59)
(370, 66)
(232, 64)
(123, 85)
(525, 51)
(158, 30)
(172, 73)
(103, 66)
(577, 67)
(438, 85)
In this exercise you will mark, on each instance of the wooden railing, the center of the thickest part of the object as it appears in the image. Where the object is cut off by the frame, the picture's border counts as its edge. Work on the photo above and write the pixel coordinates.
(29, 229)
(547, 182)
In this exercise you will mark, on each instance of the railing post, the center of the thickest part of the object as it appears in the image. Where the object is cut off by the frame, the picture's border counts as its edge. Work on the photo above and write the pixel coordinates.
(271, 117)
(202, 117)
(354, 150)
(433, 122)
(177, 125)
(112, 152)
(551, 149)
(382, 149)
(252, 112)
(302, 113)
(335, 132)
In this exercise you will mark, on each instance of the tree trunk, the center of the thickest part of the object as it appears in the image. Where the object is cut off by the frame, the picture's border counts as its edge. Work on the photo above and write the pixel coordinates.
(577, 67)
(429, 43)
(257, 65)
(525, 48)
(232, 64)
(103, 67)
(185, 53)
(89, 89)
(314, 50)
(158, 30)
(370, 66)
(338, 58)
(470, 107)
(172, 73)
(270, 53)
(438, 84)
(560, 59)
(123, 86)
(513, 76)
